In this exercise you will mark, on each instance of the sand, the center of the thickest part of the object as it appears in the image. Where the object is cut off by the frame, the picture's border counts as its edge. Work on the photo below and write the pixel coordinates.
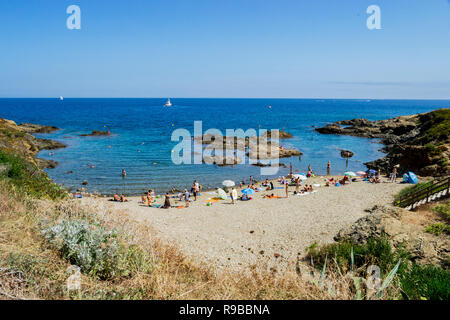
(264, 232)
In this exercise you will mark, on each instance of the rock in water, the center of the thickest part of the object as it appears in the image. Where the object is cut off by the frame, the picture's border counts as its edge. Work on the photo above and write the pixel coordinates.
(346, 154)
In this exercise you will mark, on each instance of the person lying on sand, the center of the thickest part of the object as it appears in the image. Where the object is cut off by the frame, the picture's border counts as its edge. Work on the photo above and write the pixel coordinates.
(271, 196)
(116, 197)
(143, 198)
(122, 198)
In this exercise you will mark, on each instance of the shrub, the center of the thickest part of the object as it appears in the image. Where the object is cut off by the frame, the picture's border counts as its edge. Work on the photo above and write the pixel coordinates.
(443, 210)
(29, 179)
(429, 282)
(437, 228)
(95, 250)
(374, 252)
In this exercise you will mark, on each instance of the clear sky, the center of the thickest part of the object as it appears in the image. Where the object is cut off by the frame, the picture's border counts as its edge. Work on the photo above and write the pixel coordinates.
(225, 48)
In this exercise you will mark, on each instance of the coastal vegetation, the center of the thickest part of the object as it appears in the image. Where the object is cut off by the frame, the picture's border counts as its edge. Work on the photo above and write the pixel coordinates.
(409, 281)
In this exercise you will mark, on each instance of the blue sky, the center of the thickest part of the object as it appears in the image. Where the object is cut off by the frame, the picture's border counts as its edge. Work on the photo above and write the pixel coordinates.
(226, 48)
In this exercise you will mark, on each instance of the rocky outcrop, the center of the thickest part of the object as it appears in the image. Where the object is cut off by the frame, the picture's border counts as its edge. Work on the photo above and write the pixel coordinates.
(264, 153)
(18, 140)
(222, 161)
(347, 154)
(36, 128)
(257, 148)
(96, 133)
(418, 143)
(403, 228)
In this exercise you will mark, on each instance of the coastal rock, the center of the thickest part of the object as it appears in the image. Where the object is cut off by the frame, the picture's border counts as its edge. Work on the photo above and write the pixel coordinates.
(36, 128)
(402, 229)
(222, 160)
(281, 134)
(419, 143)
(96, 133)
(265, 153)
(346, 154)
(260, 164)
(18, 140)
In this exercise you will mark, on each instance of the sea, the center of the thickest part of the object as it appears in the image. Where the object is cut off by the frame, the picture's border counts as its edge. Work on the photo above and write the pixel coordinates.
(141, 137)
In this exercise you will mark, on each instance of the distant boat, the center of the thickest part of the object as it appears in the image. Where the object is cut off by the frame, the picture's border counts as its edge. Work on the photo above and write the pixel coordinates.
(61, 98)
(168, 103)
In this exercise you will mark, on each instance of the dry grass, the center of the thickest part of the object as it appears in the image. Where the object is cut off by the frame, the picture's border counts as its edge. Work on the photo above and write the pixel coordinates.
(31, 269)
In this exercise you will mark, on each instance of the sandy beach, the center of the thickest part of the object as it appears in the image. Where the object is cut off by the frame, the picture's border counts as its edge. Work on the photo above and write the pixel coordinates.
(266, 232)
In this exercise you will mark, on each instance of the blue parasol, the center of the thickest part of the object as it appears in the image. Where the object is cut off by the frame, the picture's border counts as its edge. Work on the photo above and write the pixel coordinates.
(248, 191)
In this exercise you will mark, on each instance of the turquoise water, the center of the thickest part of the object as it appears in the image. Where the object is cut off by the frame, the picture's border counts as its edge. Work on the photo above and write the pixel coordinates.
(141, 136)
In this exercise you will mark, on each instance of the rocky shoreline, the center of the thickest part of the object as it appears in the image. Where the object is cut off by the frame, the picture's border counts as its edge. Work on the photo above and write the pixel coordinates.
(19, 139)
(418, 143)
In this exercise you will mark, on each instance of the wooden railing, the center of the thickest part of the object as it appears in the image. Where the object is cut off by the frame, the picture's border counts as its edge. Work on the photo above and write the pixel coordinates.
(424, 193)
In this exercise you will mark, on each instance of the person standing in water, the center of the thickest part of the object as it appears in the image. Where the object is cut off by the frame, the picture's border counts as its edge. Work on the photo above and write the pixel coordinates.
(124, 173)
(251, 180)
(328, 168)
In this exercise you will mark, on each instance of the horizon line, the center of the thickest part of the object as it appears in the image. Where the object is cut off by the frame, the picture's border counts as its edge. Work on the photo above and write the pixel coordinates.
(283, 98)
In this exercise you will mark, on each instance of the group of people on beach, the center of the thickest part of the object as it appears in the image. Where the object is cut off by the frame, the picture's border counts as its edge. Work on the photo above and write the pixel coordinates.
(185, 196)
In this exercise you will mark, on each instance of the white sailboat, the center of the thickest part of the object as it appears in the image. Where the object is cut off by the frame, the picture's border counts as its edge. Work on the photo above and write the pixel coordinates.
(168, 103)
(61, 98)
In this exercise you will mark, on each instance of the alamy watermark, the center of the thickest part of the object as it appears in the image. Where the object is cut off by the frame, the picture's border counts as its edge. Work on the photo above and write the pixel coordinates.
(374, 20)
(74, 20)
(74, 280)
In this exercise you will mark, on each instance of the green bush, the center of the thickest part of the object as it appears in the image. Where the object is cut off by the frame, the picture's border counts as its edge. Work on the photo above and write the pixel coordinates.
(374, 252)
(443, 210)
(29, 179)
(438, 228)
(95, 250)
(426, 282)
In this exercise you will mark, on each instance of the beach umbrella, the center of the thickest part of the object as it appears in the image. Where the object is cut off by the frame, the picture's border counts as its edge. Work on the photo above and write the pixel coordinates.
(300, 176)
(360, 173)
(372, 171)
(248, 191)
(228, 183)
(222, 194)
(350, 174)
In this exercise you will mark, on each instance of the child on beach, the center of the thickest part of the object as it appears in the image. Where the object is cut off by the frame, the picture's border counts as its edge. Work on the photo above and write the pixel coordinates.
(287, 190)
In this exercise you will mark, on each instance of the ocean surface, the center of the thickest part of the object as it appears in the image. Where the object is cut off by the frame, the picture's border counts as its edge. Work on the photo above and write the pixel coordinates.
(141, 130)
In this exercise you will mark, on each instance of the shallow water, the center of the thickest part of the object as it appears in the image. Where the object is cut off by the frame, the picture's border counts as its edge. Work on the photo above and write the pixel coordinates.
(141, 136)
